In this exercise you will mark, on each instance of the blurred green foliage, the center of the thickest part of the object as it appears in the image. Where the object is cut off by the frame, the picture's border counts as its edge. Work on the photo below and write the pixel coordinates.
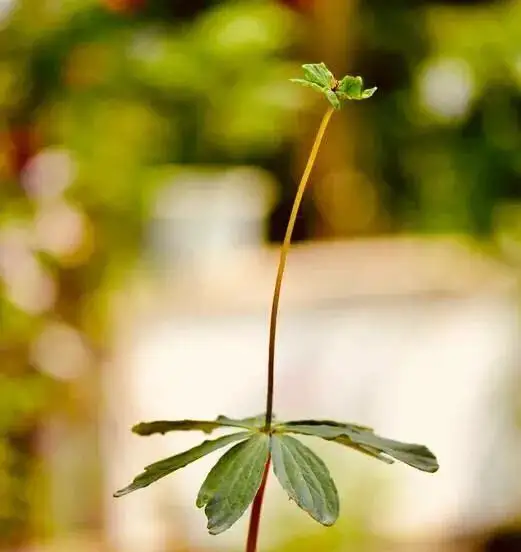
(98, 97)
(446, 140)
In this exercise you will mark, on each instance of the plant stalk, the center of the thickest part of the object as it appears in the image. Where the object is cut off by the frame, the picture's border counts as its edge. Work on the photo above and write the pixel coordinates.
(253, 531)
(282, 264)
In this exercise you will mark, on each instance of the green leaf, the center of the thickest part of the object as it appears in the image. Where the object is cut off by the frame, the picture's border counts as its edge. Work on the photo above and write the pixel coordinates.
(364, 449)
(252, 422)
(417, 456)
(305, 478)
(352, 88)
(318, 73)
(303, 82)
(164, 426)
(232, 483)
(169, 465)
(329, 423)
(412, 454)
(319, 77)
(368, 92)
(328, 429)
(333, 98)
(207, 426)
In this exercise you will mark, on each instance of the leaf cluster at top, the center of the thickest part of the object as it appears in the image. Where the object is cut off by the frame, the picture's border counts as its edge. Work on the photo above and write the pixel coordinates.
(232, 483)
(320, 78)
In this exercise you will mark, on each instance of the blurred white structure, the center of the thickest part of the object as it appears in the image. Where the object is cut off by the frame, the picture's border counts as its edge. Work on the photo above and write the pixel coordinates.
(417, 338)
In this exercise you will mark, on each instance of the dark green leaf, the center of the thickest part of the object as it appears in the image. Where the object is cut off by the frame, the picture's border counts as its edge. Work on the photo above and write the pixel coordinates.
(169, 465)
(369, 451)
(414, 455)
(329, 423)
(232, 483)
(207, 426)
(305, 478)
(417, 456)
(164, 426)
(252, 422)
(329, 430)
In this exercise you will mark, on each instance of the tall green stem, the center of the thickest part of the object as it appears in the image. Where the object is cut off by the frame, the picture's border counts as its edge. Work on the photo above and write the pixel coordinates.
(253, 531)
(282, 264)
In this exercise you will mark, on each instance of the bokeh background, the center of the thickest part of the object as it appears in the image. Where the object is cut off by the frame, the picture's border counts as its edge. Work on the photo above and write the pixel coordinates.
(149, 154)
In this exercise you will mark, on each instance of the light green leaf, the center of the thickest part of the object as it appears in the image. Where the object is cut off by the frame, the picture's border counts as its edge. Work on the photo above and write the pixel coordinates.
(333, 99)
(303, 82)
(351, 87)
(305, 478)
(169, 465)
(232, 483)
(417, 456)
(319, 74)
(207, 426)
(319, 77)
(368, 92)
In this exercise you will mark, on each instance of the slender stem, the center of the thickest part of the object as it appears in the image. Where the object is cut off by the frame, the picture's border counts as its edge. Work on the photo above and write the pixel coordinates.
(253, 530)
(282, 264)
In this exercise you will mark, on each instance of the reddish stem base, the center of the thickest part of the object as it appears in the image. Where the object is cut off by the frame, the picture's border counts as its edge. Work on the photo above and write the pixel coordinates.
(253, 531)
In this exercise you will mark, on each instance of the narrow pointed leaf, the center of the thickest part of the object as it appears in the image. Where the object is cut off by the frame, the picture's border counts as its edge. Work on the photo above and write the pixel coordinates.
(416, 456)
(207, 426)
(165, 467)
(368, 92)
(329, 423)
(232, 483)
(305, 478)
(368, 451)
(319, 74)
(164, 426)
(412, 454)
(329, 430)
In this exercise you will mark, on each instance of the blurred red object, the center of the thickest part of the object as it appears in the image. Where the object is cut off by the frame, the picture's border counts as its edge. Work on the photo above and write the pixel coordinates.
(123, 5)
(23, 146)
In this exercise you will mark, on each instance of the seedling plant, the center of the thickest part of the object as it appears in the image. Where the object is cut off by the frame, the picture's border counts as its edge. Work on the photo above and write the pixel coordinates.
(239, 477)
